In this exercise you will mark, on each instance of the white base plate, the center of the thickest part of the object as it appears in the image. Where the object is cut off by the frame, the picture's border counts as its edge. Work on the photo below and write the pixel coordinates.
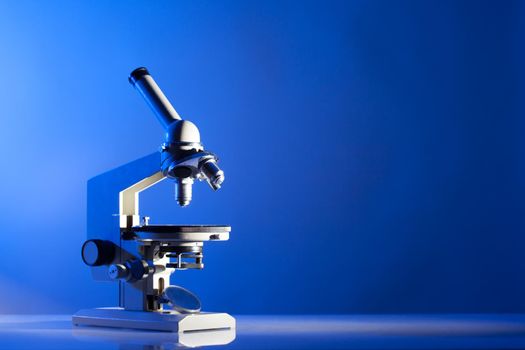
(169, 321)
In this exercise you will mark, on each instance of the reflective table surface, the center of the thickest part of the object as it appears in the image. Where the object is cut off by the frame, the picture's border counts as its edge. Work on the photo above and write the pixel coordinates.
(279, 332)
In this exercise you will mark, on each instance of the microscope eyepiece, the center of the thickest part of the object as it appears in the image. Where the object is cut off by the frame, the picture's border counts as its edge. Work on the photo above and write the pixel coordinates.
(148, 88)
(137, 74)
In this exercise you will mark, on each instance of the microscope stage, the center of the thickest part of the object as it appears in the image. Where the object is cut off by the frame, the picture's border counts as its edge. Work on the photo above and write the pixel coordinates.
(182, 228)
(182, 233)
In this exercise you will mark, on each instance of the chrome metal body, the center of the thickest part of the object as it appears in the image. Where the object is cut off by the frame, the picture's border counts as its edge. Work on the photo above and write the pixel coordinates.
(139, 258)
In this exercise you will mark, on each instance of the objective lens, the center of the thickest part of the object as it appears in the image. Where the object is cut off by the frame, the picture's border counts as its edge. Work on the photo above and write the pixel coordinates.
(183, 190)
(214, 174)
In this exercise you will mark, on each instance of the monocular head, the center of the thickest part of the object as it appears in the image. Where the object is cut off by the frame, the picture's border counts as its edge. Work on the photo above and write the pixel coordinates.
(183, 157)
(184, 160)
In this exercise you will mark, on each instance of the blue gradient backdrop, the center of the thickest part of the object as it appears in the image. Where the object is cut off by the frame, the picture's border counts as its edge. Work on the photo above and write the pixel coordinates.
(374, 151)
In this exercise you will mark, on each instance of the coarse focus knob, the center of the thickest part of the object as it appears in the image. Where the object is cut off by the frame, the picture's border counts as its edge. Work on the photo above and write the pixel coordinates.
(97, 252)
(118, 271)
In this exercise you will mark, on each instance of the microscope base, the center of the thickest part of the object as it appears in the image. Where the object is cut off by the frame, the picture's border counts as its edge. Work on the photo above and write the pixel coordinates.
(168, 321)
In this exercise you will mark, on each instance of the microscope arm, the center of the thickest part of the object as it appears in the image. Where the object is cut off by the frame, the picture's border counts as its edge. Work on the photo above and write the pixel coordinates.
(103, 206)
(129, 200)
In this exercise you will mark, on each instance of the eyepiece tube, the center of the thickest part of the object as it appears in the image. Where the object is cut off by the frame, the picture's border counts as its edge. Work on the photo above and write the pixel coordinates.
(146, 86)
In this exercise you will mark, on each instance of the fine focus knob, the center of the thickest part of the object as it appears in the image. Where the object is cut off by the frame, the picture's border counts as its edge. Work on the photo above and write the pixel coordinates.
(131, 271)
(118, 271)
(97, 252)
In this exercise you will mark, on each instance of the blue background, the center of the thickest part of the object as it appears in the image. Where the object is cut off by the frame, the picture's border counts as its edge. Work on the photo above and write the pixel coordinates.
(374, 151)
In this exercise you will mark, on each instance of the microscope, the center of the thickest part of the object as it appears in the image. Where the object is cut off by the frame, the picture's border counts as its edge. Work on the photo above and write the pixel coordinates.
(124, 248)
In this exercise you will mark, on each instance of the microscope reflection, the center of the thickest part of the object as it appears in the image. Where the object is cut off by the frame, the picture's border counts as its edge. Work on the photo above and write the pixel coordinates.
(132, 339)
